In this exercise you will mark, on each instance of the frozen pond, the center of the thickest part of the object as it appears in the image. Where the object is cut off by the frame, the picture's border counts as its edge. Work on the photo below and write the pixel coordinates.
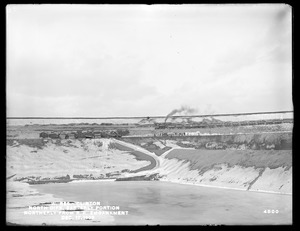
(164, 203)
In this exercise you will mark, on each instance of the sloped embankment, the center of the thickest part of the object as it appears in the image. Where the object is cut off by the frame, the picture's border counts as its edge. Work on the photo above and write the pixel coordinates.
(38, 161)
(255, 170)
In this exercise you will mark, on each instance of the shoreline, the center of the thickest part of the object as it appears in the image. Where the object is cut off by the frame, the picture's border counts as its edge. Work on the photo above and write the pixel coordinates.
(223, 187)
(30, 195)
(87, 181)
(168, 181)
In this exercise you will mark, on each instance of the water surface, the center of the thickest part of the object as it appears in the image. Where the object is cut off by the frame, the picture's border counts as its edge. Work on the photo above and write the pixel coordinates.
(164, 203)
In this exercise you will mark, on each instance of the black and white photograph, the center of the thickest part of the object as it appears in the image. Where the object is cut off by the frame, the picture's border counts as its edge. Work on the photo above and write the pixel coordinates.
(149, 114)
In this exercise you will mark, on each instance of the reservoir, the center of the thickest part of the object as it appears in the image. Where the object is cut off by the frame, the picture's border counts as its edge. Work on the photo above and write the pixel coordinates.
(165, 203)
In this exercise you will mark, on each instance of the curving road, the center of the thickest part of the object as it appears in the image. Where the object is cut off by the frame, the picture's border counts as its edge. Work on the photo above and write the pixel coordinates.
(142, 150)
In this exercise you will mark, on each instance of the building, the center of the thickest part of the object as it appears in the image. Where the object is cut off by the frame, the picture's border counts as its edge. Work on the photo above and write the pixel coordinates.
(197, 133)
(54, 136)
(72, 136)
(89, 135)
(97, 135)
(63, 136)
(44, 135)
(80, 135)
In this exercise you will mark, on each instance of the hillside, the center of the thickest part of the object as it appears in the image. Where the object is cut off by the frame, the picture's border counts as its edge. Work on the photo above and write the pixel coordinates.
(255, 170)
(258, 161)
(89, 159)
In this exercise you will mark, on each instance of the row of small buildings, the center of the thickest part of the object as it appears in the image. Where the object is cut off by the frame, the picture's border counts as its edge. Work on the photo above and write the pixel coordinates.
(218, 123)
(197, 133)
(79, 134)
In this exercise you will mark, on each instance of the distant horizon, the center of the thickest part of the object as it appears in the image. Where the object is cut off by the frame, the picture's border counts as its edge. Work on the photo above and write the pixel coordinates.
(128, 117)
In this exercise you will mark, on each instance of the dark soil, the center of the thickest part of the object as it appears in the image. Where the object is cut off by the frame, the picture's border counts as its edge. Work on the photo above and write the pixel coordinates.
(34, 143)
(202, 159)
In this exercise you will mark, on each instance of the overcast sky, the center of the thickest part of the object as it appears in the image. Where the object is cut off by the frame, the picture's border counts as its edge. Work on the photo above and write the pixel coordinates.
(139, 60)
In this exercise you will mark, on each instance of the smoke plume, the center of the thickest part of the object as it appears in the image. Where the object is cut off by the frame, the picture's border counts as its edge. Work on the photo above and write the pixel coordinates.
(185, 110)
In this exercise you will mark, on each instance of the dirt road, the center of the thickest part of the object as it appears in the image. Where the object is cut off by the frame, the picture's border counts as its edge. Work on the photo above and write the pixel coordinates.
(139, 149)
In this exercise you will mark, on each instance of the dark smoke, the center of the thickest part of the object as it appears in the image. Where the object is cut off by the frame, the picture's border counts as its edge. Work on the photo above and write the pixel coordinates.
(184, 109)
